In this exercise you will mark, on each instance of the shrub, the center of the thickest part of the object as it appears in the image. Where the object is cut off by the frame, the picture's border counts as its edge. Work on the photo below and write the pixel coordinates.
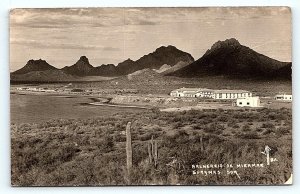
(198, 126)
(180, 137)
(105, 144)
(282, 131)
(246, 128)
(249, 135)
(148, 136)
(236, 126)
(268, 125)
(214, 128)
(268, 131)
(177, 125)
(259, 129)
(223, 118)
(77, 90)
(119, 138)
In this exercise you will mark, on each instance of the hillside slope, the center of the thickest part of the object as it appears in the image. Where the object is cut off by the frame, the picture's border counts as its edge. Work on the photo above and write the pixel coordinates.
(43, 76)
(35, 65)
(230, 58)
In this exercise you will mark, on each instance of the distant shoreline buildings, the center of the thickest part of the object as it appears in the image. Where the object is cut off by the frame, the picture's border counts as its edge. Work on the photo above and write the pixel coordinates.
(210, 93)
(243, 97)
(284, 97)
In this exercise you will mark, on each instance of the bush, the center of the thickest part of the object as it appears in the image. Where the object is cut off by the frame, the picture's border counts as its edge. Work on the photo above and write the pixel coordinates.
(198, 127)
(77, 90)
(249, 135)
(223, 118)
(175, 140)
(214, 128)
(246, 128)
(282, 131)
(259, 129)
(177, 125)
(268, 131)
(148, 136)
(268, 125)
(119, 138)
(105, 144)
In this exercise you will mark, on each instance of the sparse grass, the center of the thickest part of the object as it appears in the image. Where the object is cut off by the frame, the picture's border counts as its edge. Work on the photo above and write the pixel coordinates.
(92, 151)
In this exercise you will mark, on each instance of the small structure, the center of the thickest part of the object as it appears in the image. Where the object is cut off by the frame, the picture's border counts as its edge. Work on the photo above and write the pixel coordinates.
(22, 88)
(284, 97)
(69, 85)
(248, 102)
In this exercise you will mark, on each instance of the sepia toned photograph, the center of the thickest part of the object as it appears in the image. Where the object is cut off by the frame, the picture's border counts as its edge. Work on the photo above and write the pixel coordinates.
(151, 96)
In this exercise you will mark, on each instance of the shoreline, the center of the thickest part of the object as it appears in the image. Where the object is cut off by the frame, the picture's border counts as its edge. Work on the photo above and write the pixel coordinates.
(97, 100)
(117, 105)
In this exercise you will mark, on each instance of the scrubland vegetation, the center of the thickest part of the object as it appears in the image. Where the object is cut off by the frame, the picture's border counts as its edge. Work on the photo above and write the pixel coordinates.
(169, 83)
(92, 151)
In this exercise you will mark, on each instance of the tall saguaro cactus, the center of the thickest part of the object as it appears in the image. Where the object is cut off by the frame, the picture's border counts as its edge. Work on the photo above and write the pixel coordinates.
(128, 148)
(201, 143)
(152, 152)
(155, 157)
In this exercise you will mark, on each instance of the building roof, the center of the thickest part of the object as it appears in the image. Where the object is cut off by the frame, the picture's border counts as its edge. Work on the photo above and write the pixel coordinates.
(190, 92)
(208, 90)
(283, 95)
(248, 98)
(187, 89)
(231, 91)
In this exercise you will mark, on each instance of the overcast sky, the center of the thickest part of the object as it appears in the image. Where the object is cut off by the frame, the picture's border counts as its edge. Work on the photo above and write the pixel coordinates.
(111, 35)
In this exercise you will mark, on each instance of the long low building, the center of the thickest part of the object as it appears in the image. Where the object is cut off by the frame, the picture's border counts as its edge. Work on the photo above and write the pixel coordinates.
(209, 93)
(284, 97)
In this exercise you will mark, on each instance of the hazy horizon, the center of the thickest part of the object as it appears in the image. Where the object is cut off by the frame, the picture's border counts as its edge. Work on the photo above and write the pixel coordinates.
(111, 35)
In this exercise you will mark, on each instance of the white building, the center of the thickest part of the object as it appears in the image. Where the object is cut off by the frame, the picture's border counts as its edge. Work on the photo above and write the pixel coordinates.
(248, 102)
(232, 94)
(209, 93)
(284, 97)
(206, 93)
(185, 92)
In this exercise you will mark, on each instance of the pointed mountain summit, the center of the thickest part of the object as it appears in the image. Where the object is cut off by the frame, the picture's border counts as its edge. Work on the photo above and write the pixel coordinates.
(35, 65)
(168, 55)
(81, 68)
(230, 58)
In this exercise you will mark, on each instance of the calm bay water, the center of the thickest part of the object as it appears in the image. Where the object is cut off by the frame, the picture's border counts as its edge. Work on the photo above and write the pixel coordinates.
(39, 108)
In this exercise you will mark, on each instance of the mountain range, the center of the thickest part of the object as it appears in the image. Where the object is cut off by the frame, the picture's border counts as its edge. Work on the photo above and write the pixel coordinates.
(169, 55)
(227, 58)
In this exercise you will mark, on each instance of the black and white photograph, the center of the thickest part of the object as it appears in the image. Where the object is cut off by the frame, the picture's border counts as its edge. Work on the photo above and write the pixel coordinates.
(140, 96)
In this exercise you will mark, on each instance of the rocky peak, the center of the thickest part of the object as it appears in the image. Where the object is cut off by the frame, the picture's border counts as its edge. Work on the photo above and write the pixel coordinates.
(126, 62)
(166, 48)
(232, 42)
(84, 59)
(35, 65)
(36, 62)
